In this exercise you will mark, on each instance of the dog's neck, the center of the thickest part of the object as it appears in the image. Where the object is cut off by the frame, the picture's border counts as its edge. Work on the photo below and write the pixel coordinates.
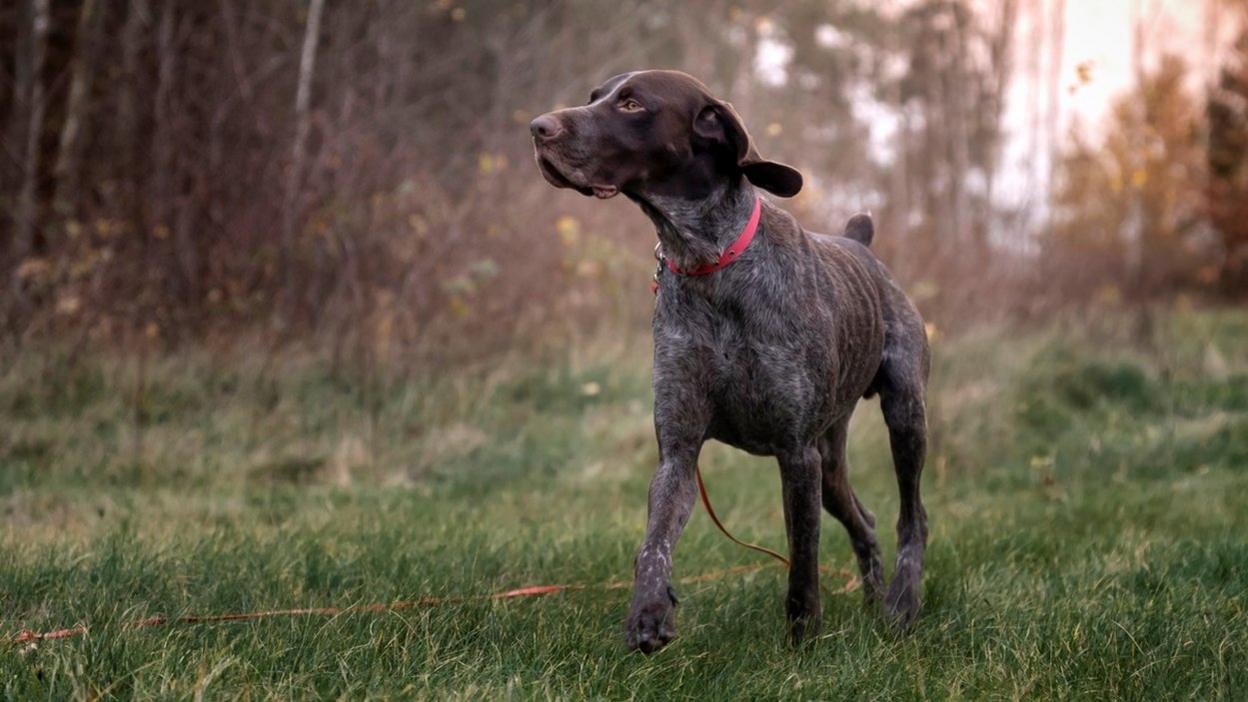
(693, 232)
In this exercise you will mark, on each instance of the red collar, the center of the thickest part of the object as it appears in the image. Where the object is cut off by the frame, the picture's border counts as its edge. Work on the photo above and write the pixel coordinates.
(734, 250)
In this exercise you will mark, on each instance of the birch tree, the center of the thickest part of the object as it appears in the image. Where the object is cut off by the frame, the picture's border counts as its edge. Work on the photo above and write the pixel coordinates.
(303, 98)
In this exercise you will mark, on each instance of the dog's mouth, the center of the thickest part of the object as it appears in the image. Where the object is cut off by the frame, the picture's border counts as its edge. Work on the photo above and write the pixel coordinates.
(555, 177)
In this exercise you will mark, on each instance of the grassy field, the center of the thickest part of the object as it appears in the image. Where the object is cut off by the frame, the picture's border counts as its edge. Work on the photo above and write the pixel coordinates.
(1087, 488)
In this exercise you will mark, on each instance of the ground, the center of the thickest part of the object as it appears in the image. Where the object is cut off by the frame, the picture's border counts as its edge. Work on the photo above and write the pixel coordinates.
(1086, 488)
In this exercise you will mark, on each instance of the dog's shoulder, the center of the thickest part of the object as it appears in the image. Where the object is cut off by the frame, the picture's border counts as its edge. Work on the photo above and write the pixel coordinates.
(780, 225)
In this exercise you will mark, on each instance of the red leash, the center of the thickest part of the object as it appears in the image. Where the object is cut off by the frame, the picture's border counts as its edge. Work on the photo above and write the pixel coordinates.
(533, 591)
(706, 502)
(30, 637)
(851, 581)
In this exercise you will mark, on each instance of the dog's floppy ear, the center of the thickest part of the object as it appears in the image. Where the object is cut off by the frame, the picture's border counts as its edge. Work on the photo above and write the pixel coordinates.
(718, 121)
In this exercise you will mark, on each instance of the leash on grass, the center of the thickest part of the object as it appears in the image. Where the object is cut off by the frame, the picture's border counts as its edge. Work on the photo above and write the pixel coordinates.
(29, 637)
(850, 580)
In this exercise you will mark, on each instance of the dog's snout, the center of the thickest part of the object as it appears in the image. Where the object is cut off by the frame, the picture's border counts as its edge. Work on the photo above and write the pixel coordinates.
(545, 127)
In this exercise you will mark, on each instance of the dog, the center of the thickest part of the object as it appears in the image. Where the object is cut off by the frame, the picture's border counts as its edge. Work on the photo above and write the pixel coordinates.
(765, 335)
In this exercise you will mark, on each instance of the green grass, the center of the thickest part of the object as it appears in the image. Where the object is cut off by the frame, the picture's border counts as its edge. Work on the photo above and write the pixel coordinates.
(1086, 487)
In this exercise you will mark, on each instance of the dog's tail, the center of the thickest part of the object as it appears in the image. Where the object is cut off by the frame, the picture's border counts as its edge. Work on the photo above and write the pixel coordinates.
(860, 228)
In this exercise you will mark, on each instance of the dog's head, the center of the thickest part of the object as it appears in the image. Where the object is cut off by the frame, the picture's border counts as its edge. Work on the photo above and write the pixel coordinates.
(658, 132)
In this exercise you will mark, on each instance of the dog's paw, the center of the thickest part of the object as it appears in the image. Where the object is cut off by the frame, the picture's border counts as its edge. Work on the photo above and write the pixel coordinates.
(804, 615)
(803, 629)
(651, 625)
(901, 604)
(872, 584)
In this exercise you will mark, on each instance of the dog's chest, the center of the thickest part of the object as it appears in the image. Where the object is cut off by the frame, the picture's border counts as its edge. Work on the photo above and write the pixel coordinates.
(766, 388)
(769, 378)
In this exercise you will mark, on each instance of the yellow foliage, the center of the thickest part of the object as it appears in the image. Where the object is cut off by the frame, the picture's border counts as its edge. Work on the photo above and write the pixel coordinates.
(107, 228)
(68, 304)
(588, 269)
(34, 269)
(569, 229)
(491, 163)
(458, 306)
(1108, 294)
(1083, 72)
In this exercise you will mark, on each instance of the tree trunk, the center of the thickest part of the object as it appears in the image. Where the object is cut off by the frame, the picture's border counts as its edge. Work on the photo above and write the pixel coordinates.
(956, 106)
(17, 112)
(82, 74)
(163, 166)
(127, 125)
(1053, 115)
(1001, 52)
(303, 97)
(26, 203)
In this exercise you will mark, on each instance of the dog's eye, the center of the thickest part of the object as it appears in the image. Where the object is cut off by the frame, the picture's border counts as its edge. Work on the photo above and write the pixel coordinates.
(630, 105)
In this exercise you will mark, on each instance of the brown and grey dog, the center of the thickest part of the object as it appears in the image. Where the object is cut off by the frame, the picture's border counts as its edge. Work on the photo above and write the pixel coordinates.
(770, 354)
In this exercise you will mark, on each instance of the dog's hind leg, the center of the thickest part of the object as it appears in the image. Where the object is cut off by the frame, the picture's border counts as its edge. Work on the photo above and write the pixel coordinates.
(841, 502)
(800, 483)
(902, 383)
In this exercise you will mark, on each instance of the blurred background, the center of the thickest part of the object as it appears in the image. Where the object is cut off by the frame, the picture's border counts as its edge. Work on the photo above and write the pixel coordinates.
(289, 318)
(360, 173)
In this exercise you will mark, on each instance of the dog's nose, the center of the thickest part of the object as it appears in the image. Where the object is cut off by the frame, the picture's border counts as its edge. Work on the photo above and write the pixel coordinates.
(545, 127)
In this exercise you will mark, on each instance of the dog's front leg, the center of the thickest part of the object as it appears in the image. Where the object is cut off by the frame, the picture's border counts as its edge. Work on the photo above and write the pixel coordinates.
(651, 620)
(801, 482)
